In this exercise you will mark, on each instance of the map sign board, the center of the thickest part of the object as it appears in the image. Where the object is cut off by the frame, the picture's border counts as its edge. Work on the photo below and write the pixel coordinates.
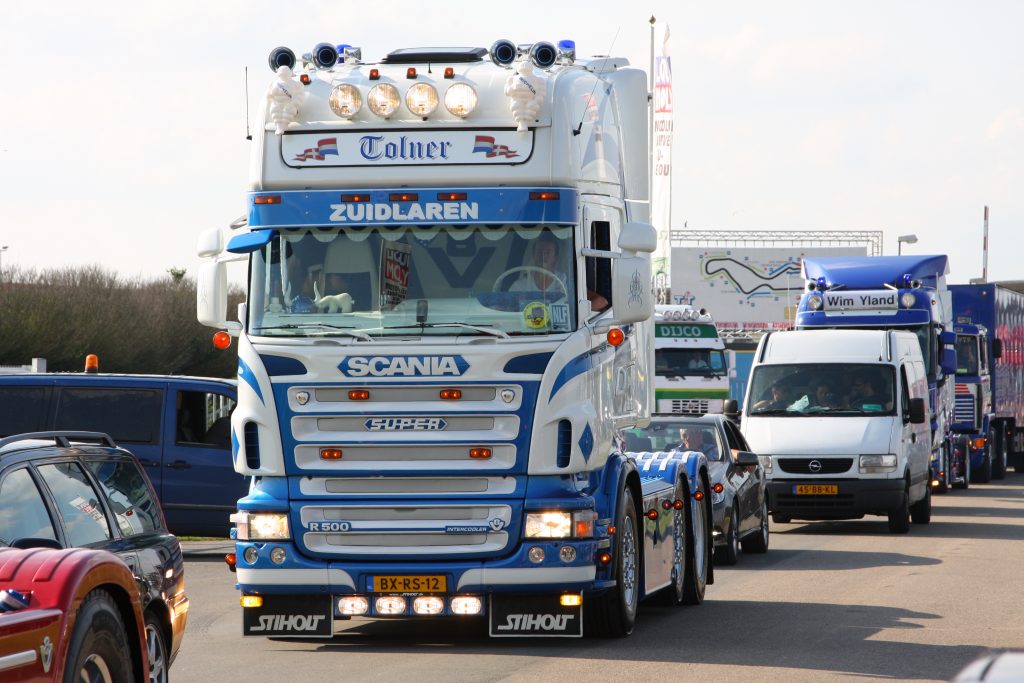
(746, 288)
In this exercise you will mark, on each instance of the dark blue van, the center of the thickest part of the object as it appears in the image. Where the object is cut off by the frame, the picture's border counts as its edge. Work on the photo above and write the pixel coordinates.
(178, 427)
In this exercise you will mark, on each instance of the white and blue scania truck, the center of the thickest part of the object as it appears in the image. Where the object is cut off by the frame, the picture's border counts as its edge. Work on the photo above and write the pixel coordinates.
(447, 323)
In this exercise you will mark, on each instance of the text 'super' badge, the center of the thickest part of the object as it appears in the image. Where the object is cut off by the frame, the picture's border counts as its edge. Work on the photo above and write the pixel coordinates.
(536, 315)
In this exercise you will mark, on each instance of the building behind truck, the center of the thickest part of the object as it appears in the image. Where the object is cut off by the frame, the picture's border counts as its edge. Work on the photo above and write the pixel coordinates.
(692, 369)
(447, 324)
(990, 376)
(900, 293)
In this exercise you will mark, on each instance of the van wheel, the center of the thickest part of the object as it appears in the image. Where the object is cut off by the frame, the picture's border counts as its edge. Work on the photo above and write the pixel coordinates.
(614, 615)
(758, 543)
(921, 511)
(99, 649)
(899, 519)
(729, 553)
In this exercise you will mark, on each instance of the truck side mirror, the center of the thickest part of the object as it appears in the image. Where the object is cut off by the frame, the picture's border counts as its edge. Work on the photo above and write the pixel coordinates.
(212, 297)
(948, 361)
(632, 291)
(917, 414)
(997, 348)
(210, 243)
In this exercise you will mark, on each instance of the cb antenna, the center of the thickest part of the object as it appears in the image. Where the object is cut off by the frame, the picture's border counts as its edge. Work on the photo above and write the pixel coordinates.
(579, 128)
(248, 134)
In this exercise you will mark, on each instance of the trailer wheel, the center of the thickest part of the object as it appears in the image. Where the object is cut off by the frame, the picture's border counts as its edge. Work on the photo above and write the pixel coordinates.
(672, 594)
(698, 554)
(614, 612)
(98, 650)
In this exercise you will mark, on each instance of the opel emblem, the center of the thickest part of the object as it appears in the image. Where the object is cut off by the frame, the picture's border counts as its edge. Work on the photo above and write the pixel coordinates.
(814, 466)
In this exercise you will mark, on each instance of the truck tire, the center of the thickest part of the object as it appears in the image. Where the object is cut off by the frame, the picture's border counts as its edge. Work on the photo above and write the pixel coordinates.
(921, 511)
(614, 612)
(899, 519)
(945, 462)
(729, 554)
(758, 543)
(999, 452)
(698, 554)
(983, 474)
(98, 650)
(672, 594)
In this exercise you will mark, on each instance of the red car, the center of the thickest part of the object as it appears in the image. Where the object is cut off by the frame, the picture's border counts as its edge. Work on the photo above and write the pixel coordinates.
(83, 619)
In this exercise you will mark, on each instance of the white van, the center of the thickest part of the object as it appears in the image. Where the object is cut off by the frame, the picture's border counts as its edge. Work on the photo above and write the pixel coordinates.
(838, 420)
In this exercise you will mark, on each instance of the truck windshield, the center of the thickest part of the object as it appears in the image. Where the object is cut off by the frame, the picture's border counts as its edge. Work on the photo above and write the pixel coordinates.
(966, 355)
(820, 388)
(497, 280)
(683, 362)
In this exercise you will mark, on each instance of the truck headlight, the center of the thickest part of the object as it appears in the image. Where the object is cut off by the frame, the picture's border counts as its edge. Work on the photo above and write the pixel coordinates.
(766, 463)
(814, 302)
(878, 463)
(261, 526)
(907, 299)
(560, 524)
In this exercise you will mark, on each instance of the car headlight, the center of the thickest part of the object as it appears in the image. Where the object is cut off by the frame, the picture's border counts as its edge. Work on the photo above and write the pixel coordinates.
(878, 463)
(560, 524)
(261, 526)
(766, 463)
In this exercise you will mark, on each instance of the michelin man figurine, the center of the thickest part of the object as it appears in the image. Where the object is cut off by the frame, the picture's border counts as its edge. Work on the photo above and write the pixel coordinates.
(527, 90)
(285, 95)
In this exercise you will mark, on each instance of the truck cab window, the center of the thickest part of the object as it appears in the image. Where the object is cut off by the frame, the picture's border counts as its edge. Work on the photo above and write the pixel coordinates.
(599, 270)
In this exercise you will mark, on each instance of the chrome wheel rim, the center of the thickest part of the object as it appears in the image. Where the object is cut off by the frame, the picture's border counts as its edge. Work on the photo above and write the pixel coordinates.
(699, 538)
(157, 656)
(629, 576)
(679, 534)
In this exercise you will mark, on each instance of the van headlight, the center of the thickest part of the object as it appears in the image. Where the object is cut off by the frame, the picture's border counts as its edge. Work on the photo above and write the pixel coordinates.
(877, 463)
(261, 526)
(560, 524)
(766, 463)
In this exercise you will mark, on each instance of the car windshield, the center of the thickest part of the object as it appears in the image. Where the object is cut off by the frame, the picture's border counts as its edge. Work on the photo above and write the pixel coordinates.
(496, 280)
(683, 362)
(822, 388)
(673, 435)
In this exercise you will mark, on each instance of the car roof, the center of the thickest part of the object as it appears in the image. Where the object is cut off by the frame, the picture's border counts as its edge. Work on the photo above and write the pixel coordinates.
(22, 447)
(682, 417)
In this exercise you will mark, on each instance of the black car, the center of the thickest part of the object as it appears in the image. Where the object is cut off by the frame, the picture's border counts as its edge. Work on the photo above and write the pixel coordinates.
(738, 488)
(78, 489)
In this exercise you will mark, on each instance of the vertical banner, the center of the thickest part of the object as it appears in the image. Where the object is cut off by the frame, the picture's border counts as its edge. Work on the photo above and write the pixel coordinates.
(395, 260)
(661, 173)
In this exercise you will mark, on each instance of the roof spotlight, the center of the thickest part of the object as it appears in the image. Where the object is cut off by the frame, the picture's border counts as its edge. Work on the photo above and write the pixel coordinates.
(325, 55)
(567, 51)
(503, 52)
(281, 56)
(543, 55)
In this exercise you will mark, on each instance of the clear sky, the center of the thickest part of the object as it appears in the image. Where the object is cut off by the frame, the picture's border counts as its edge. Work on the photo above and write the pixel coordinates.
(122, 124)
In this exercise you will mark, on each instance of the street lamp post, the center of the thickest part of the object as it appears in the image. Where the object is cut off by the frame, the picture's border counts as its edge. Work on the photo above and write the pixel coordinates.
(909, 239)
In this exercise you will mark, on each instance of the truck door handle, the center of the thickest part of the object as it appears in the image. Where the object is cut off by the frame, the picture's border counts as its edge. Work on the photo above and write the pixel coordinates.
(149, 463)
(179, 465)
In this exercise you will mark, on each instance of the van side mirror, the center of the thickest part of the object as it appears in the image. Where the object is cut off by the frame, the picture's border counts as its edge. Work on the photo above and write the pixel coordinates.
(917, 414)
(731, 409)
(746, 459)
(997, 348)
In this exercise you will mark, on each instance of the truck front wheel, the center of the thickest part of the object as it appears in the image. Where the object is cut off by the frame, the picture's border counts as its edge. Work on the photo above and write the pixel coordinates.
(613, 614)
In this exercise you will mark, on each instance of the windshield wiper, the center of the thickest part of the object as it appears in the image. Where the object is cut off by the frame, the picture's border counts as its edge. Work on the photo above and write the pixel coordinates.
(329, 329)
(776, 411)
(486, 330)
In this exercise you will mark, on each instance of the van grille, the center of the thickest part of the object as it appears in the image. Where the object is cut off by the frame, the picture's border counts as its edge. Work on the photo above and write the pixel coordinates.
(827, 465)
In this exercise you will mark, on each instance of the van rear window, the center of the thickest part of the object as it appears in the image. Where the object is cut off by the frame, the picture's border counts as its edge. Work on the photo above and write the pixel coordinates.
(127, 415)
(22, 409)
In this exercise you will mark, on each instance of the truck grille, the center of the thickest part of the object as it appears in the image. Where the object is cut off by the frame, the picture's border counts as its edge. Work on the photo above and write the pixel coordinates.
(965, 406)
(390, 531)
(690, 406)
(803, 465)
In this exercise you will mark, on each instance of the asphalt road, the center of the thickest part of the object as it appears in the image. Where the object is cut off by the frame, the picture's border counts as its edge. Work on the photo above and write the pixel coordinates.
(830, 601)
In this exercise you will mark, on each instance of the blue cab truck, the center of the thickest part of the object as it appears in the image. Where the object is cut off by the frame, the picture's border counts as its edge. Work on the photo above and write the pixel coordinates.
(989, 408)
(893, 292)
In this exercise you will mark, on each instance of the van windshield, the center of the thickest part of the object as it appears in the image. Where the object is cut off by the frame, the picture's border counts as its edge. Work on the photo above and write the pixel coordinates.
(823, 388)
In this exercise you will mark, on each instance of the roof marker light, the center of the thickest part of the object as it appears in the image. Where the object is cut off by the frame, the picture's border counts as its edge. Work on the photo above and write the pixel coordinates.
(92, 362)
(305, 79)
(404, 196)
(410, 72)
(451, 196)
(374, 74)
(355, 198)
(449, 72)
